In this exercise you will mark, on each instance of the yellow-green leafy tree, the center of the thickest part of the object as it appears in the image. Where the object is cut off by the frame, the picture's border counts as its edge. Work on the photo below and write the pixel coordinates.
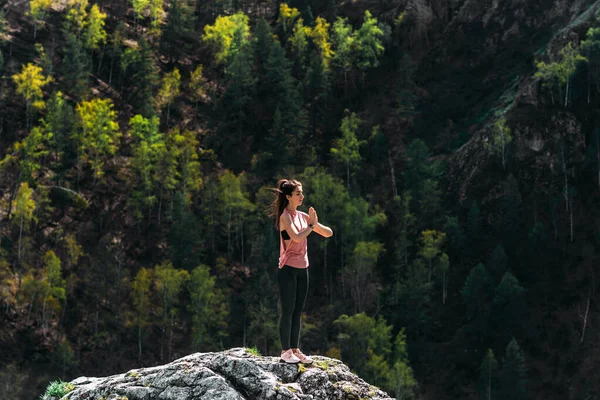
(500, 139)
(94, 33)
(54, 287)
(169, 90)
(169, 282)
(76, 18)
(30, 83)
(197, 84)
(98, 134)
(141, 291)
(22, 214)
(220, 35)
(346, 149)
(37, 11)
(431, 247)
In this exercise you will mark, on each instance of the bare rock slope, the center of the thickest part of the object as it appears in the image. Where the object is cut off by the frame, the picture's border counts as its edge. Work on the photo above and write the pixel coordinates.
(232, 374)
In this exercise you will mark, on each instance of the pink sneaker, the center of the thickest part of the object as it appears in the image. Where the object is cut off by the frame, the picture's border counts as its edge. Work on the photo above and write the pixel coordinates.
(304, 359)
(289, 357)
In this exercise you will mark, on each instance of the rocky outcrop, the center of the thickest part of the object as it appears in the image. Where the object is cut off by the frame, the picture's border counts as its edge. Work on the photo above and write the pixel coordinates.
(229, 375)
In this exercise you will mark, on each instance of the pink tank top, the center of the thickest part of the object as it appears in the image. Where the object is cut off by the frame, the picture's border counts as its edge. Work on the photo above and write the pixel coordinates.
(296, 253)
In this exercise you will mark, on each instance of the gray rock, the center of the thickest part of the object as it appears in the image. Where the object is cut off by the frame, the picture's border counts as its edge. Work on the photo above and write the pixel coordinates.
(229, 375)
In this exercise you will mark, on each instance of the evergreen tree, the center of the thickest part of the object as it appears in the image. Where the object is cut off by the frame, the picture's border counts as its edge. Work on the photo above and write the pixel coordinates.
(59, 124)
(76, 64)
(455, 235)
(177, 34)
(476, 291)
(144, 79)
(497, 264)
(514, 373)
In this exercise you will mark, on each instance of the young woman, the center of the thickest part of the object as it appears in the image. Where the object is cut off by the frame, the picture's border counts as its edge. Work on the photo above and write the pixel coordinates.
(294, 227)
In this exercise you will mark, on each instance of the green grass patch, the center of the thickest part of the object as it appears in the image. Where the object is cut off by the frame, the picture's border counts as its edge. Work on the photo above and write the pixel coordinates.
(254, 351)
(57, 389)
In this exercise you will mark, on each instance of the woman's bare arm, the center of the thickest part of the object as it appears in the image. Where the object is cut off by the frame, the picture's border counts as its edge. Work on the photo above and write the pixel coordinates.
(285, 221)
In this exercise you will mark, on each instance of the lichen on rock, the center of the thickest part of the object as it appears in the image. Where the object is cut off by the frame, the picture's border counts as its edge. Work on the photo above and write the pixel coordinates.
(233, 374)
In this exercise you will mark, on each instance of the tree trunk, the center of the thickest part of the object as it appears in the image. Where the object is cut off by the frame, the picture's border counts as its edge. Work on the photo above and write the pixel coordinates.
(394, 188)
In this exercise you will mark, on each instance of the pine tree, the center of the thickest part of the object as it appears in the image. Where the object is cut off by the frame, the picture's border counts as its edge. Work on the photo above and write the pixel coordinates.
(514, 373)
(178, 31)
(476, 291)
(144, 79)
(59, 124)
(75, 67)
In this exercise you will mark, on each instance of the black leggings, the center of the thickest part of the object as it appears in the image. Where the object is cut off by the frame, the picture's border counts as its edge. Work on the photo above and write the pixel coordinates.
(293, 287)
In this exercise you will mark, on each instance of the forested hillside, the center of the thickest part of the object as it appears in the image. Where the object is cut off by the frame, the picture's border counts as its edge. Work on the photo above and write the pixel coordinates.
(452, 146)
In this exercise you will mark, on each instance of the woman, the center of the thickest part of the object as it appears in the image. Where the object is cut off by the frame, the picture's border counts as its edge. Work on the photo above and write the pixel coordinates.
(294, 227)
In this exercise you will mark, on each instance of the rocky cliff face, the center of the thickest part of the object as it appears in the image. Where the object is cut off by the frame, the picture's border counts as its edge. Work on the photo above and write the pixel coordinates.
(230, 375)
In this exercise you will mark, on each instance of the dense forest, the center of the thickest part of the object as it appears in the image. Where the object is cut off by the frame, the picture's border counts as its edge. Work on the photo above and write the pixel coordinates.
(453, 146)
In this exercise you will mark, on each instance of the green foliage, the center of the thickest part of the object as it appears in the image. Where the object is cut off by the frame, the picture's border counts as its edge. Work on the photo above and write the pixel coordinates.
(368, 43)
(367, 347)
(488, 385)
(57, 389)
(30, 152)
(476, 291)
(221, 35)
(75, 67)
(98, 134)
(455, 235)
(253, 350)
(559, 73)
(75, 20)
(431, 247)
(59, 124)
(179, 30)
(209, 310)
(499, 140)
(94, 33)
(30, 83)
(141, 61)
(359, 275)
(38, 9)
(168, 91)
(514, 373)
(346, 148)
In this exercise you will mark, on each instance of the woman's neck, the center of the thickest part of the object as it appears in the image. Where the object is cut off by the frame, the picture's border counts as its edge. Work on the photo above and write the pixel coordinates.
(291, 208)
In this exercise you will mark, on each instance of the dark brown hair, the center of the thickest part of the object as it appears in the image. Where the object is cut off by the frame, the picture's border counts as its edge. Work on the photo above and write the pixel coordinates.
(284, 187)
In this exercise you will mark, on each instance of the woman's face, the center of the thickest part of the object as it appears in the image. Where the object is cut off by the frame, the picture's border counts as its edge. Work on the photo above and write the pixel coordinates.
(296, 197)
